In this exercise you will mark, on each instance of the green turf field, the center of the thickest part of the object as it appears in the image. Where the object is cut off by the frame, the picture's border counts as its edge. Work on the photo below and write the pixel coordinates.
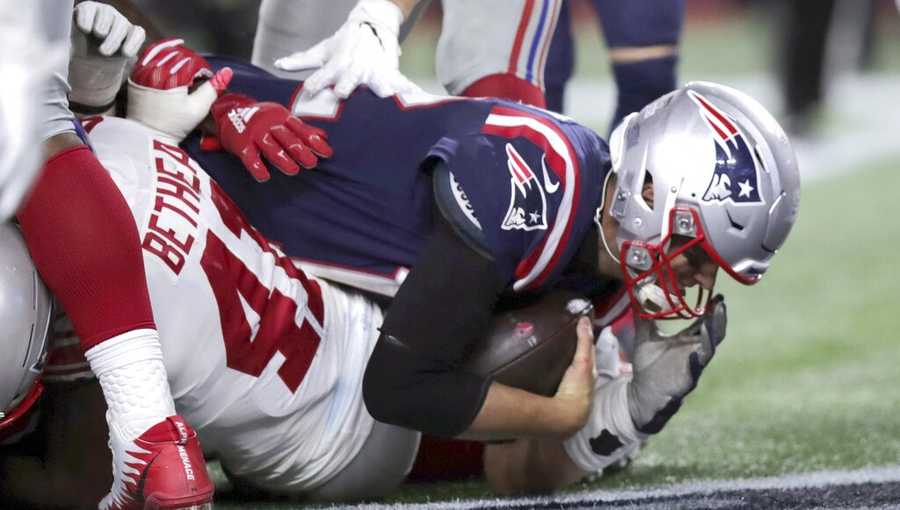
(807, 378)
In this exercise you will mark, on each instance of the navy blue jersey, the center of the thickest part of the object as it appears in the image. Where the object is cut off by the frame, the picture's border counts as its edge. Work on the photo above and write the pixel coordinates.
(520, 183)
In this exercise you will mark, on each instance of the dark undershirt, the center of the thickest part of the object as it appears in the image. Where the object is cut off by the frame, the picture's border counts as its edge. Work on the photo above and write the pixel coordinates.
(413, 378)
(444, 306)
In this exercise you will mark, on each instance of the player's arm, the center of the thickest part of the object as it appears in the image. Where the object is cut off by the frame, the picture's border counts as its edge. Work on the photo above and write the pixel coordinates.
(74, 470)
(514, 412)
(413, 378)
(103, 42)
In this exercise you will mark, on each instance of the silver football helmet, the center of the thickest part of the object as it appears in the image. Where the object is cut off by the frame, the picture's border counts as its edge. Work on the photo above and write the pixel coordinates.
(724, 176)
(25, 313)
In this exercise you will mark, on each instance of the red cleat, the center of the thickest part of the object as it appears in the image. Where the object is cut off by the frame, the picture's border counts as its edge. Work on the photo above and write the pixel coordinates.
(163, 469)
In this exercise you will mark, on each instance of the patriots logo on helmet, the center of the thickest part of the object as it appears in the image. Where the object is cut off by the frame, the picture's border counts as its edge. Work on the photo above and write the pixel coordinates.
(527, 201)
(735, 178)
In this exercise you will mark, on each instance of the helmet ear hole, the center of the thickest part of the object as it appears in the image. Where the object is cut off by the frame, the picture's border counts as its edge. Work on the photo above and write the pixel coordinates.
(647, 189)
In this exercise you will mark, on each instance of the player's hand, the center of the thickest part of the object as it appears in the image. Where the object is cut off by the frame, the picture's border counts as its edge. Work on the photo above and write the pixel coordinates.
(172, 88)
(667, 368)
(364, 51)
(103, 42)
(252, 130)
(115, 33)
(575, 391)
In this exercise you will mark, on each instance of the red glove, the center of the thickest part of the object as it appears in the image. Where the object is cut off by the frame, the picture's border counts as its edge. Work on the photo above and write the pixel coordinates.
(247, 127)
(165, 90)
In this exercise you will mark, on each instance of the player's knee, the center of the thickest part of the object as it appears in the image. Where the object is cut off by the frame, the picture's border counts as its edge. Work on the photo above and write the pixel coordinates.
(507, 86)
(630, 54)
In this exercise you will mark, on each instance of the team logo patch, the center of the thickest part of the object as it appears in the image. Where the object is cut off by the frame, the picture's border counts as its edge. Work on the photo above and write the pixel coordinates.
(239, 117)
(527, 200)
(736, 176)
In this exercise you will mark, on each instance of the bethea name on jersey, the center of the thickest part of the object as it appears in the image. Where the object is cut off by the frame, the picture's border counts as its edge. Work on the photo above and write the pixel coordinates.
(172, 227)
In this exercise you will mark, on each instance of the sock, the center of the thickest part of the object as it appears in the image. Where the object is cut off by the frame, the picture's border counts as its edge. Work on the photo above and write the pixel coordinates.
(133, 378)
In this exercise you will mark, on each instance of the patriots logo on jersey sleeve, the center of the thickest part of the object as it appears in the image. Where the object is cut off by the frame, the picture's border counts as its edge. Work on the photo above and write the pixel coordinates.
(527, 201)
(735, 178)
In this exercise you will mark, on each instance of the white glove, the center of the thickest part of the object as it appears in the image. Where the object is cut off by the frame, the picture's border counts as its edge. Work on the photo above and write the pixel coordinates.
(364, 51)
(102, 45)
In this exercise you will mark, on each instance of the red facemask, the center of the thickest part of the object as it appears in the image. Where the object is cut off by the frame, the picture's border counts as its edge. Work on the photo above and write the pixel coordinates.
(648, 264)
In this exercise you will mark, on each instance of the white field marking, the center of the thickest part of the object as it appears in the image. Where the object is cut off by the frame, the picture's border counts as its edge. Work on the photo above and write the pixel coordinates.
(863, 103)
(711, 487)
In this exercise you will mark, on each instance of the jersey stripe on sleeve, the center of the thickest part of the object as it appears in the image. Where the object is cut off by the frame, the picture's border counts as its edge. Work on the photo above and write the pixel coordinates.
(561, 159)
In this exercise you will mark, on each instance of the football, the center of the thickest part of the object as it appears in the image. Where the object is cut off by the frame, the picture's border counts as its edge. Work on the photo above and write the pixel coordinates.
(531, 346)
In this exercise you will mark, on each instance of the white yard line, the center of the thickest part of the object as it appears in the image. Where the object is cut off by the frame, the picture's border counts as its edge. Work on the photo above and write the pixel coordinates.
(596, 496)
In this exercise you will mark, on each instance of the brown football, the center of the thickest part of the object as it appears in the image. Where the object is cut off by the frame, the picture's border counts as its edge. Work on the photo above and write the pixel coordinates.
(530, 347)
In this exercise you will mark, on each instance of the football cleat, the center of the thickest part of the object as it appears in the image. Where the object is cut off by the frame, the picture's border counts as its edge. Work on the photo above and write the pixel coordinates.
(163, 469)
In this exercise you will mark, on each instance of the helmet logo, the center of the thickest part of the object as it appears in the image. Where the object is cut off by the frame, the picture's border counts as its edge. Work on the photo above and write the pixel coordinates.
(735, 178)
(527, 200)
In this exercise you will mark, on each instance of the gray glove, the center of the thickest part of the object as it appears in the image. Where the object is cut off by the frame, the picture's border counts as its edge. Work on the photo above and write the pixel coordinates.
(667, 368)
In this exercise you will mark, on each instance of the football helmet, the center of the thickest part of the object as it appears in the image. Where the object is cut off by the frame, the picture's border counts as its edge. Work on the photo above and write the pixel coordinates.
(25, 312)
(724, 177)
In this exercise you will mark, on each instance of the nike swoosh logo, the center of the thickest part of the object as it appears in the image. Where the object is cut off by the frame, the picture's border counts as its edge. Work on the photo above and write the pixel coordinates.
(549, 186)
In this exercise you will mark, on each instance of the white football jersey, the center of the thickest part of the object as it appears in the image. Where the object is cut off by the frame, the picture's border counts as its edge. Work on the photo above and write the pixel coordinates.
(264, 361)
